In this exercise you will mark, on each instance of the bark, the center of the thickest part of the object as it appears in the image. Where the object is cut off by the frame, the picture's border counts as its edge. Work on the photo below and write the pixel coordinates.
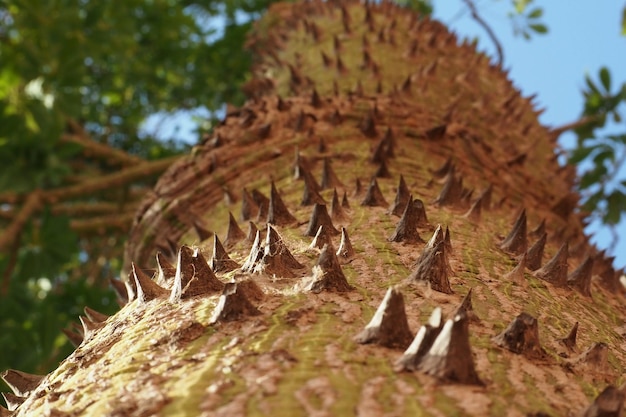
(344, 79)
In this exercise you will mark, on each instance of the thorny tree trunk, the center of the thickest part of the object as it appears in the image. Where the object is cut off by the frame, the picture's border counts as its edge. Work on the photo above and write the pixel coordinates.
(401, 241)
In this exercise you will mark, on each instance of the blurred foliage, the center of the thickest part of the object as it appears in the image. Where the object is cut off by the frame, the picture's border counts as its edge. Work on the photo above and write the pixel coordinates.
(527, 19)
(599, 155)
(75, 74)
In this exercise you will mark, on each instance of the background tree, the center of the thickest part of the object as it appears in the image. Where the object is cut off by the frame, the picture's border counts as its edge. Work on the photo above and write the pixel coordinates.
(77, 79)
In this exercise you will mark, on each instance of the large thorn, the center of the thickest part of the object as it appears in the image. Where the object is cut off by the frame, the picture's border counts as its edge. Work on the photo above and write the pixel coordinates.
(277, 260)
(89, 327)
(555, 271)
(316, 101)
(444, 170)
(13, 401)
(609, 403)
(570, 340)
(329, 178)
(234, 233)
(389, 326)
(422, 343)
(432, 265)
(596, 357)
(165, 270)
(450, 357)
(255, 255)
(580, 278)
(21, 383)
(252, 231)
(131, 287)
(202, 232)
(522, 337)
(517, 274)
(447, 241)
(374, 197)
(344, 201)
(311, 193)
(193, 276)
(120, 289)
(336, 210)
(379, 154)
(262, 203)
(466, 307)
(534, 255)
(368, 126)
(232, 305)
(539, 230)
(320, 217)
(147, 289)
(321, 239)
(406, 230)
(473, 214)
(75, 337)
(485, 197)
(389, 141)
(300, 164)
(402, 198)
(345, 246)
(95, 316)
(220, 261)
(515, 242)
(249, 208)
(277, 212)
(327, 274)
(451, 192)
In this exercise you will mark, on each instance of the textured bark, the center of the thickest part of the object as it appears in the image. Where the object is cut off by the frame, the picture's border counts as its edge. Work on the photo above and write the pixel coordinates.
(361, 94)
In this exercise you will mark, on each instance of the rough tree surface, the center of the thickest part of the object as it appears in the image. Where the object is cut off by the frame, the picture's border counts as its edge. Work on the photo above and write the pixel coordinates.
(379, 172)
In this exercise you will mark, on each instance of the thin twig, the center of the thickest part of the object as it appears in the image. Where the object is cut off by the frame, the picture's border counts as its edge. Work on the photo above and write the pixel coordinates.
(8, 271)
(110, 181)
(95, 149)
(491, 33)
(82, 209)
(120, 221)
(11, 234)
(35, 199)
(583, 121)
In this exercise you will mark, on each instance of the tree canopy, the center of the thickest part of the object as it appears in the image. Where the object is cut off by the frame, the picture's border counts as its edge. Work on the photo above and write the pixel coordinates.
(77, 79)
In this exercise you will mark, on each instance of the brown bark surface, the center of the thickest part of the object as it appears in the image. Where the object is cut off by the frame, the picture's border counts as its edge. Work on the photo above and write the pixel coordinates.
(376, 93)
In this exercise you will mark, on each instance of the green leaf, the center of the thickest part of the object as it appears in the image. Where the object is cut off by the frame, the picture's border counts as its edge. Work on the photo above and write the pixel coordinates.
(539, 28)
(605, 78)
(591, 85)
(623, 33)
(592, 177)
(591, 204)
(615, 204)
(580, 153)
(535, 13)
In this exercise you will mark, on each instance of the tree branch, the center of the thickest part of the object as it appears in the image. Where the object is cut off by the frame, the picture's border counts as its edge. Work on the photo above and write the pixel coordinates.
(109, 181)
(492, 35)
(35, 200)
(11, 234)
(100, 224)
(95, 149)
(585, 120)
(8, 271)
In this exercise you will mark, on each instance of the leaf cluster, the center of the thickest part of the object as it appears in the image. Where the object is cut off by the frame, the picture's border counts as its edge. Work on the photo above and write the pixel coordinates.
(600, 157)
(77, 79)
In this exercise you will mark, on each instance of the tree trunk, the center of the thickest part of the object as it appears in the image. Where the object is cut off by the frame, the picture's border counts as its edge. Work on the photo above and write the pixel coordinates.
(386, 167)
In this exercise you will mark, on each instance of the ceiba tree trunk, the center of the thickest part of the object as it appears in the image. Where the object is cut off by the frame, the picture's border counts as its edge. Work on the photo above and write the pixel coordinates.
(382, 229)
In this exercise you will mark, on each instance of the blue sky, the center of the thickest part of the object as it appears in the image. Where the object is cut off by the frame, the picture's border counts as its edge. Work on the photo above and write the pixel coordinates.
(583, 36)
